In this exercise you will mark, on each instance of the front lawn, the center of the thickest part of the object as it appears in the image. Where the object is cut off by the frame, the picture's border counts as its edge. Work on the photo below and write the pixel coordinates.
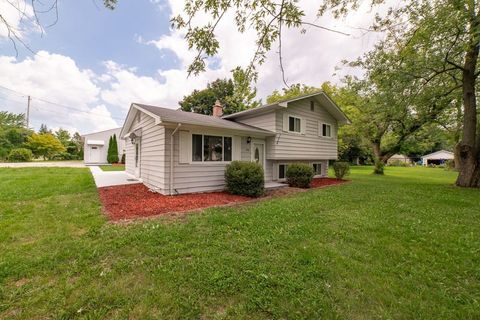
(117, 167)
(401, 246)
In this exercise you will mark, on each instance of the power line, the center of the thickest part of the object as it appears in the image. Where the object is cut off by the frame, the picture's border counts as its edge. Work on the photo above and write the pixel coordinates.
(60, 105)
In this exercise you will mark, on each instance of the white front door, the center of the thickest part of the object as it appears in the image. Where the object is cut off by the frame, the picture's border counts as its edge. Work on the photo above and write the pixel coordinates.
(137, 159)
(258, 153)
(94, 156)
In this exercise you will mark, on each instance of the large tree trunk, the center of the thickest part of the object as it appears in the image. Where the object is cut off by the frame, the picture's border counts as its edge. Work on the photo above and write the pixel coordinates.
(469, 153)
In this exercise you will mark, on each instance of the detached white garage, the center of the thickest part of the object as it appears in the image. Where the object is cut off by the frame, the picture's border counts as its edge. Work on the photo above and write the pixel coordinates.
(439, 157)
(95, 146)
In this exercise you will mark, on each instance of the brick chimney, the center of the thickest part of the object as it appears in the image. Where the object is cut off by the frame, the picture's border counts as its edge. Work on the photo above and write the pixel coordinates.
(217, 109)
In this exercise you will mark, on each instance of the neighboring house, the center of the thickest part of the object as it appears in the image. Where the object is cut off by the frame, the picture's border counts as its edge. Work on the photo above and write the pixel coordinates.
(173, 151)
(399, 158)
(439, 157)
(95, 146)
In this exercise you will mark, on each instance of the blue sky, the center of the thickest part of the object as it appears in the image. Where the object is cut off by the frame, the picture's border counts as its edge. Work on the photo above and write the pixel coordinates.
(91, 65)
(90, 34)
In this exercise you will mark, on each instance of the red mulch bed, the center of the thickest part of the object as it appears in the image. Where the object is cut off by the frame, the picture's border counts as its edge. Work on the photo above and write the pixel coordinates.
(323, 182)
(135, 200)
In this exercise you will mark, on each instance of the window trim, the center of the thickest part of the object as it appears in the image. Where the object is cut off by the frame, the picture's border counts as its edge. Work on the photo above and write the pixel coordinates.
(294, 117)
(321, 130)
(321, 168)
(278, 171)
(203, 134)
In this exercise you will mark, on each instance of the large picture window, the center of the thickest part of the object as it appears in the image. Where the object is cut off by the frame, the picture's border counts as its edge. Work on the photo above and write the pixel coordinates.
(211, 148)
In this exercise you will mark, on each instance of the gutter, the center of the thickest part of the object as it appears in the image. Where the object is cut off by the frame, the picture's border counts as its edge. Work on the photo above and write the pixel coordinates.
(170, 180)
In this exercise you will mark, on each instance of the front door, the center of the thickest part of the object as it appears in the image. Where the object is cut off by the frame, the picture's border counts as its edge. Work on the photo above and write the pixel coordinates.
(137, 159)
(257, 155)
(94, 154)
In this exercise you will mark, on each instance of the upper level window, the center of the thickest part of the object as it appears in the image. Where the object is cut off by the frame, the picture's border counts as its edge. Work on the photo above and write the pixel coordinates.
(294, 124)
(326, 130)
(312, 105)
(211, 148)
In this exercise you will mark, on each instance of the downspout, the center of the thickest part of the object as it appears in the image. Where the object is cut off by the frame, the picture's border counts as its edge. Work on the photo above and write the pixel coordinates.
(170, 180)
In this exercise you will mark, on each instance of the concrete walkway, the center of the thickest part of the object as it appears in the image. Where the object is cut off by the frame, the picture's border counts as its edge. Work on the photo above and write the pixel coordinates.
(111, 178)
(47, 164)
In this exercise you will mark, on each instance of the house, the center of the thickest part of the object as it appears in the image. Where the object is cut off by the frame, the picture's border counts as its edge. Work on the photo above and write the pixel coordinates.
(174, 151)
(95, 146)
(399, 158)
(439, 157)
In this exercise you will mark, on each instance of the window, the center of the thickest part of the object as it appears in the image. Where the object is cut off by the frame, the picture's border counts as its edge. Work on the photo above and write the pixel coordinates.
(317, 168)
(312, 106)
(282, 171)
(211, 148)
(294, 124)
(196, 147)
(94, 148)
(227, 144)
(326, 130)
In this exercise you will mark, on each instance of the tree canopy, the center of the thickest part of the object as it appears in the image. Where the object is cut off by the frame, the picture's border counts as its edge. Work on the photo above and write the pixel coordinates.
(235, 95)
(44, 145)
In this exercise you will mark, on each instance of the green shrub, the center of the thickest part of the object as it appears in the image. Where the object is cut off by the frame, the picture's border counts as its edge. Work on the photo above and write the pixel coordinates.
(450, 165)
(64, 156)
(20, 155)
(341, 169)
(244, 178)
(397, 163)
(299, 175)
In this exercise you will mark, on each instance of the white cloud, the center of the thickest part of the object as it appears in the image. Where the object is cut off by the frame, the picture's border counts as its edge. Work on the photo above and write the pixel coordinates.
(310, 57)
(55, 78)
(19, 17)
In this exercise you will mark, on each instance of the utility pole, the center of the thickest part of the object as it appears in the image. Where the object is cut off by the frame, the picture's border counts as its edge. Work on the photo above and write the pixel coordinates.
(28, 110)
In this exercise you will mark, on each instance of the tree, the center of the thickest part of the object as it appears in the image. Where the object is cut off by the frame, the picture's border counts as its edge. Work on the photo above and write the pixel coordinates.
(44, 129)
(44, 145)
(233, 99)
(64, 136)
(13, 132)
(291, 92)
(112, 153)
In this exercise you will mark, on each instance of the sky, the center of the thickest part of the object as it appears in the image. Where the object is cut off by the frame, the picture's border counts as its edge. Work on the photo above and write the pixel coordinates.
(83, 72)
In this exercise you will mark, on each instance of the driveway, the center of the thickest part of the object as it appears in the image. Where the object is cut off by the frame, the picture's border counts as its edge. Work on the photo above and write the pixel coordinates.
(64, 164)
(111, 178)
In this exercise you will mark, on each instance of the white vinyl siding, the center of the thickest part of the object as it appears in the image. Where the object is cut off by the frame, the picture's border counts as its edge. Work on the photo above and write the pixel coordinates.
(293, 146)
(152, 153)
(264, 121)
(203, 176)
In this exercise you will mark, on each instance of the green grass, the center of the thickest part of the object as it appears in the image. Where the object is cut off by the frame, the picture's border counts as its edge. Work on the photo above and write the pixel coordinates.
(113, 168)
(401, 246)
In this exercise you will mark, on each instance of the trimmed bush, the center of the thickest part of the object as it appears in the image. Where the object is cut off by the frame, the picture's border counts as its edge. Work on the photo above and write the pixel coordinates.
(20, 155)
(244, 178)
(299, 175)
(341, 169)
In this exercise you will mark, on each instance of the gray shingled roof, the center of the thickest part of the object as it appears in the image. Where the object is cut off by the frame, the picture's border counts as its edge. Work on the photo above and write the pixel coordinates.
(178, 116)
